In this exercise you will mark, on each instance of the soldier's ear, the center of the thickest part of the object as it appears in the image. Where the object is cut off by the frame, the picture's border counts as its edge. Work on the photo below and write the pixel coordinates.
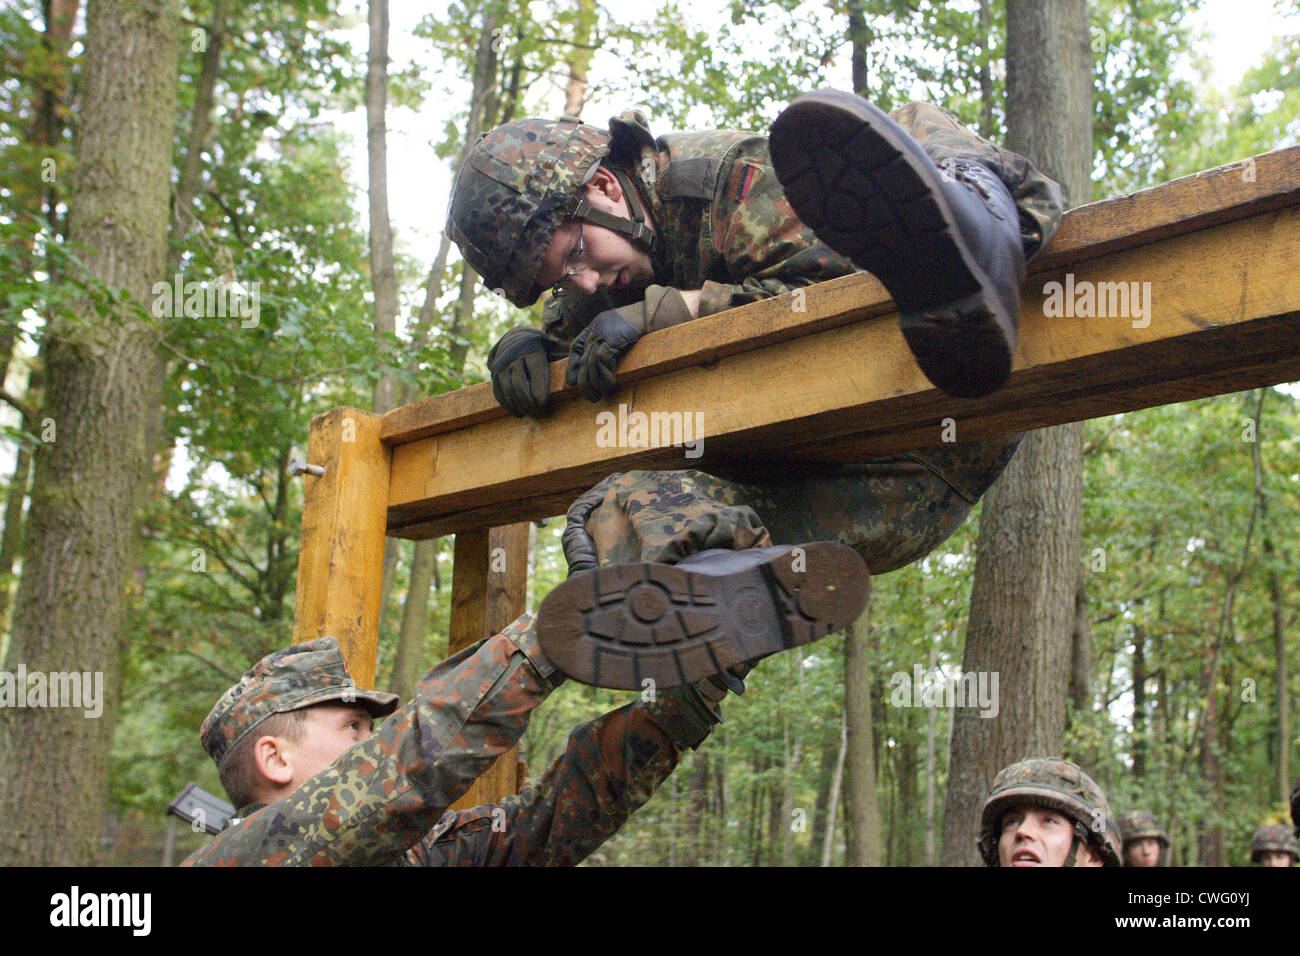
(273, 762)
(605, 185)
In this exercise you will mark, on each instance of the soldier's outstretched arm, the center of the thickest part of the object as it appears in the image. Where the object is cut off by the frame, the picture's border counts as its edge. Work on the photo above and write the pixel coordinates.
(382, 796)
(609, 769)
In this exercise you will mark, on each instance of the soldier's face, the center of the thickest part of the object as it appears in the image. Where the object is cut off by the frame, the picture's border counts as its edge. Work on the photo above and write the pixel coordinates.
(1143, 852)
(329, 729)
(607, 259)
(1276, 858)
(1035, 836)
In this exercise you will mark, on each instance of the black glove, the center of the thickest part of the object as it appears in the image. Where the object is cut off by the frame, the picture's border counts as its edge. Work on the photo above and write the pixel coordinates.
(520, 364)
(597, 349)
(699, 708)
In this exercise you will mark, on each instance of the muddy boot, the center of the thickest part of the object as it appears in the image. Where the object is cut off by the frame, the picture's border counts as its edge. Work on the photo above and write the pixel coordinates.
(944, 242)
(621, 625)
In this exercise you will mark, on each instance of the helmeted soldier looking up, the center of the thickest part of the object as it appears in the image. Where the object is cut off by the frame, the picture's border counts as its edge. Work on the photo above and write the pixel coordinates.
(1274, 845)
(1145, 840)
(634, 233)
(1045, 811)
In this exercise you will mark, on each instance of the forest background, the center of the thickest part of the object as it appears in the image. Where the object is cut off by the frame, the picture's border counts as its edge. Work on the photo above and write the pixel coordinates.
(1184, 616)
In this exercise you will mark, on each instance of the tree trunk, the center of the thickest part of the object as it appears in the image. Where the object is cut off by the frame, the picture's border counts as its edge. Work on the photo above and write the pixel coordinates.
(985, 71)
(903, 834)
(1271, 561)
(825, 769)
(105, 376)
(931, 719)
(1081, 651)
(1139, 702)
(861, 797)
(1027, 567)
(15, 502)
(859, 40)
(832, 817)
(187, 187)
(575, 89)
(409, 661)
(383, 275)
(696, 798)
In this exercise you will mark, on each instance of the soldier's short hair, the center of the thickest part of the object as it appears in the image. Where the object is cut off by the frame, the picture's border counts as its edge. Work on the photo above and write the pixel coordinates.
(239, 773)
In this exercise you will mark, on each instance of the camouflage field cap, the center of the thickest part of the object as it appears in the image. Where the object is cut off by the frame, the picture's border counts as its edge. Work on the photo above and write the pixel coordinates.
(1275, 838)
(518, 183)
(289, 679)
(1139, 825)
(1057, 785)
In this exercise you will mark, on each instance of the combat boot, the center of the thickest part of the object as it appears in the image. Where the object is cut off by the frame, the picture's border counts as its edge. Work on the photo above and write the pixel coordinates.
(623, 625)
(944, 242)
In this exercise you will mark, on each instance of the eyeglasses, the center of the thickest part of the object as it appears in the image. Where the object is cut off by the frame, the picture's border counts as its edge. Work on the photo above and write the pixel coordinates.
(573, 263)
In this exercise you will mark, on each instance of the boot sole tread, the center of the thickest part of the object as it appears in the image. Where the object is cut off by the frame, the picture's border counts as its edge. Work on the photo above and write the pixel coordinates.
(865, 195)
(620, 626)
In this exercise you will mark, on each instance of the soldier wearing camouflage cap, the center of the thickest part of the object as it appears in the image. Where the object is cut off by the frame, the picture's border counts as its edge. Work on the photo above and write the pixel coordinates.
(1045, 811)
(638, 233)
(314, 784)
(1274, 845)
(1145, 840)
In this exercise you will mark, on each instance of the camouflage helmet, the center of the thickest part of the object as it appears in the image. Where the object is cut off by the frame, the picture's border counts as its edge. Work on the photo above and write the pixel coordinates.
(519, 182)
(1141, 825)
(1057, 785)
(1275, 838)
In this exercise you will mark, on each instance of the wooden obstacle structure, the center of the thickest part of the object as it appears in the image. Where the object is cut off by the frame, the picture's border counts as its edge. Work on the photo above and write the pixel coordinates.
(817, 375)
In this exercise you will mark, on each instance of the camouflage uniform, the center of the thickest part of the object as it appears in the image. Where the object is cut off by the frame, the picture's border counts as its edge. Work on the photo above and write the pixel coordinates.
(726, 228)
(385, 800)
(1058, 785)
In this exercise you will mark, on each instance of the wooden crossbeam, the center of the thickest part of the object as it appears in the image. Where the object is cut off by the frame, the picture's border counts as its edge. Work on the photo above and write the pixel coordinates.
(823, 374)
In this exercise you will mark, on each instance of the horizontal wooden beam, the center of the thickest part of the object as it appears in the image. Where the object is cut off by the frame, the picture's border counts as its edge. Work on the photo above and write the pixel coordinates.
(1215, 257)
(1253, 186)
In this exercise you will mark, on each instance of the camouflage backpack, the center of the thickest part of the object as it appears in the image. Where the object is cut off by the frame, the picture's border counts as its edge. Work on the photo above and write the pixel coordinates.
(1275, 838)
(519, 182)
(1056, 785)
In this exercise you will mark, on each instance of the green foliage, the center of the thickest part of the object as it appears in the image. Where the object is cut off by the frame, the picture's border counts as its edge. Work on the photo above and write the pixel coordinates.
(1174, 535)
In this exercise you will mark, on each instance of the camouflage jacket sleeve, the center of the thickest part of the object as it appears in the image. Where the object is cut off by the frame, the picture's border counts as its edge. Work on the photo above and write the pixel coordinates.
(755, 246)
(609, 769)
(382, 796)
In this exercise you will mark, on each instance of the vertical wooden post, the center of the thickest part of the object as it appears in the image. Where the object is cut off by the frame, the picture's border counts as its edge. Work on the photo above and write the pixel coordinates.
(489, 579)
(344, 520)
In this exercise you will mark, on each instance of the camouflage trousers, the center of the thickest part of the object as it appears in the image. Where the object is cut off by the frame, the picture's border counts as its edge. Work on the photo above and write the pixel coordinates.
(892, 511)
(945, 140)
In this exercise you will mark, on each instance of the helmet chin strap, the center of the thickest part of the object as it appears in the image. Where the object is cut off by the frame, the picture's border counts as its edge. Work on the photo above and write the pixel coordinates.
(1077, 841)
(635, 229)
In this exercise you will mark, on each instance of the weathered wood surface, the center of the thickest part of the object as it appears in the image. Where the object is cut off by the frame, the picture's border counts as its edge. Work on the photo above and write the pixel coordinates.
(1221, 251)
(1253, 186)
(341, 560)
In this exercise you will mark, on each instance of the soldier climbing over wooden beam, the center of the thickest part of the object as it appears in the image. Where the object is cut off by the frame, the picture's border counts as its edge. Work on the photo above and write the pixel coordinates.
(635, 234)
